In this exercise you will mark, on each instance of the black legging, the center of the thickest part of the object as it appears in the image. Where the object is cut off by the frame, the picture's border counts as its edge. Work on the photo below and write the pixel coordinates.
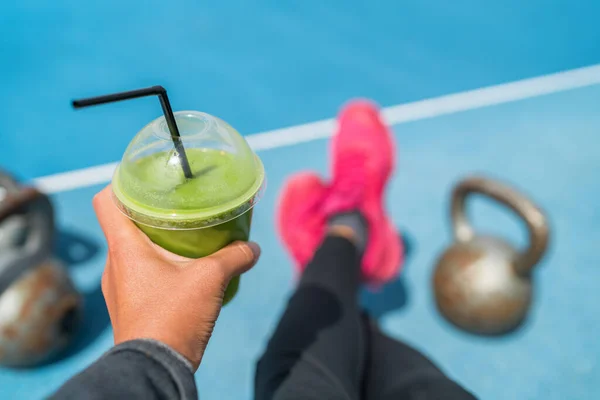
(325, 348)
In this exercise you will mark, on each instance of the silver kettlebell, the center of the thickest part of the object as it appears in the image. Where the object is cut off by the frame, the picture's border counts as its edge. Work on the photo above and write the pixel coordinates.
(482, 284)
(39, 306)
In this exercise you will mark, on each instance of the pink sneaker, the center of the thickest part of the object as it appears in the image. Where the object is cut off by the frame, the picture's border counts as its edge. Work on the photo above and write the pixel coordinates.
(300, 218)
(362, 161)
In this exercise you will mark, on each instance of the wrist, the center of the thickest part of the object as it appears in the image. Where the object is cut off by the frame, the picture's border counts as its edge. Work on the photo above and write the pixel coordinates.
(186, 351)
(172, 352)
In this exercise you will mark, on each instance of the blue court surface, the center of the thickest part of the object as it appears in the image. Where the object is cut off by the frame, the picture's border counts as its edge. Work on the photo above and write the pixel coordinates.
(264, 66)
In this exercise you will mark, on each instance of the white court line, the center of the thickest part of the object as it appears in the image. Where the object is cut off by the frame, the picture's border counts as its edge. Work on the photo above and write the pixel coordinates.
(469, 100)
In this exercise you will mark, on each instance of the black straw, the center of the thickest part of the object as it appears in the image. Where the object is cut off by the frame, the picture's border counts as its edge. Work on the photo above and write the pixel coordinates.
(159, 91)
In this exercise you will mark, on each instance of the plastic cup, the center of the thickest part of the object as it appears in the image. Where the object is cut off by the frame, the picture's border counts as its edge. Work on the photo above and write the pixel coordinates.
(193, 217)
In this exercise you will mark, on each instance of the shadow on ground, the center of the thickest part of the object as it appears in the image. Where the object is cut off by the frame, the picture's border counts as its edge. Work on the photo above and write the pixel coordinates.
(394, 295)
(74, 249)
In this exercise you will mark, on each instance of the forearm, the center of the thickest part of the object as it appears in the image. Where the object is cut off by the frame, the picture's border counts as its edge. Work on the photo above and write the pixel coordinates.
(140, 369)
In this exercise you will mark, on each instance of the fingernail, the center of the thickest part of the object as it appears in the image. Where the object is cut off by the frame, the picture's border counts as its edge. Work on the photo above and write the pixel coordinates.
(255, 249)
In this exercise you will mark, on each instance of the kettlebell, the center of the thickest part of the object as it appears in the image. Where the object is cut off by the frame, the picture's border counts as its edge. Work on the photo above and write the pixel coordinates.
(39, 305)
(482, 284)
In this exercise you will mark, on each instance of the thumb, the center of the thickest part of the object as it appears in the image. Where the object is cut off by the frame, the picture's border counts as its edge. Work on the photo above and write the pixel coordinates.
(235, 259)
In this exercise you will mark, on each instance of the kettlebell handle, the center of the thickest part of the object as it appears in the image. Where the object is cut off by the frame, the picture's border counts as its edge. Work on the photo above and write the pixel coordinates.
(533, 216)
(39, 242)
(14, 202)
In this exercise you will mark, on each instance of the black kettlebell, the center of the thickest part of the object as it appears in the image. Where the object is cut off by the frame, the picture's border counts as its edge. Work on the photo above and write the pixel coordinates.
(481, 283)
(39, 305)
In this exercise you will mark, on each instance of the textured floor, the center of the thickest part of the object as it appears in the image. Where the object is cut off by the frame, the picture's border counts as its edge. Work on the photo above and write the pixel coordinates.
(265, 65)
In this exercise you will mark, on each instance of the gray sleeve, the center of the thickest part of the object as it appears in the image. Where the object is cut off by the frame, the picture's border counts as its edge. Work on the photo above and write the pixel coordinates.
(139, 369)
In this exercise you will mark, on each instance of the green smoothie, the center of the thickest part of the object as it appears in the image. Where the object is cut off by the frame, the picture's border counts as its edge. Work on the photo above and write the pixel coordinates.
(191, 217)
(198, 243)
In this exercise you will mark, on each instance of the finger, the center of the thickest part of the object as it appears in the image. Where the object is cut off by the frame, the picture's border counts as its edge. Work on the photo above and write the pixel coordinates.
(234, 259)
(117, 228)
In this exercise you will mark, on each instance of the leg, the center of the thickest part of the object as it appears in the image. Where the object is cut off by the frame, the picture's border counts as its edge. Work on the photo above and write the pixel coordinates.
(397, 371)
(318, 348)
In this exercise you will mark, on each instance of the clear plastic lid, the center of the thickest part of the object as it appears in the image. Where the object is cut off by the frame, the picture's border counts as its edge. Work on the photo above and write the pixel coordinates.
(150, 187)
